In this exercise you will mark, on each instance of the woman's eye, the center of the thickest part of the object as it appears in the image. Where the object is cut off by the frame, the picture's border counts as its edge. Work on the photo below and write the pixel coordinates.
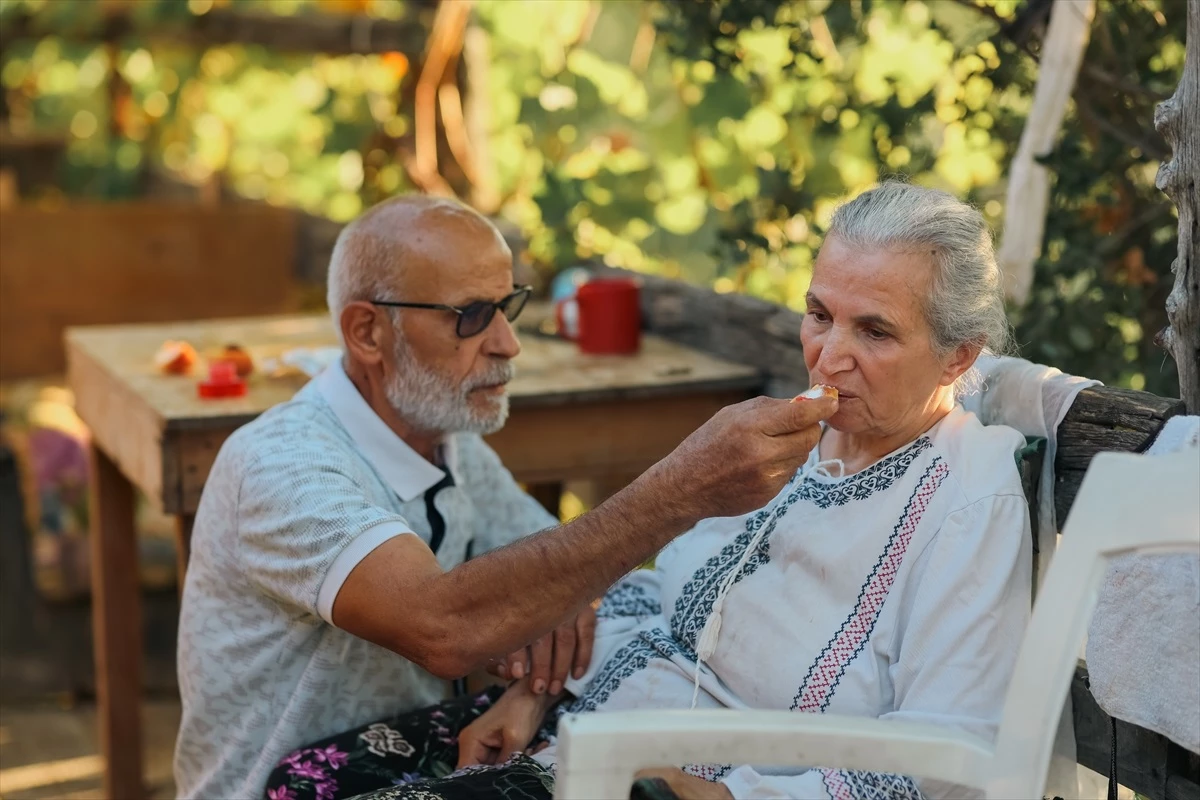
(876, 334)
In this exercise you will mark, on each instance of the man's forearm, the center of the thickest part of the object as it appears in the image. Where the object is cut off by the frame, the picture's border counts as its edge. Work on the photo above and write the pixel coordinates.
(503, 600)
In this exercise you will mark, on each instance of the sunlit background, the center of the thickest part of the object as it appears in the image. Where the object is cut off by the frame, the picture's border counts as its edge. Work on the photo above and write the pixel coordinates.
(704, 140)
(696, 140)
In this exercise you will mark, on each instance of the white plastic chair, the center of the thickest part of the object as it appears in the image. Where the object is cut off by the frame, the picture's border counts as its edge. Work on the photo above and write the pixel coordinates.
(1127, 502)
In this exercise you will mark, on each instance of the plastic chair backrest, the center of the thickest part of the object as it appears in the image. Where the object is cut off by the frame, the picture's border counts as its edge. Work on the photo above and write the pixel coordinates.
(1127, 502)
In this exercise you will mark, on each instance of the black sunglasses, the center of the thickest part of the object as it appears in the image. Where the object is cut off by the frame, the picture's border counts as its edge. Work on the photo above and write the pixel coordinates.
(474, 318)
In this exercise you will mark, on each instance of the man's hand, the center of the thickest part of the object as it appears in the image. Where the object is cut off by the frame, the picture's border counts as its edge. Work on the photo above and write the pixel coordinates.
(742, 457)
(685, 786)
(548, 661)
(506, 728)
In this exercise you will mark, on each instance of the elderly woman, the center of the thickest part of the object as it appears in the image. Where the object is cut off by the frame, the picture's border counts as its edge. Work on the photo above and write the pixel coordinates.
(889, 579)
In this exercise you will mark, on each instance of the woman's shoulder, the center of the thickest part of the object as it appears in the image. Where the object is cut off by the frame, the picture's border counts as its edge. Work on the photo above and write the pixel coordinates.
(981, 458)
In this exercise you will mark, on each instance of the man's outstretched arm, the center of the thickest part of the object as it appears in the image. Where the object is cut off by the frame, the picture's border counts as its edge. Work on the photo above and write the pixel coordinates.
(451, 622)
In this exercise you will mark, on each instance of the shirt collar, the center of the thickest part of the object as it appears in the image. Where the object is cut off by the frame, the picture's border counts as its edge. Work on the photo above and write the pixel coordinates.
(401, 467)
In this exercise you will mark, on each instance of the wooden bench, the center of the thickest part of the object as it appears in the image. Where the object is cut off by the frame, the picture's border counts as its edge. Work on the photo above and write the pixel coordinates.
(762, 334)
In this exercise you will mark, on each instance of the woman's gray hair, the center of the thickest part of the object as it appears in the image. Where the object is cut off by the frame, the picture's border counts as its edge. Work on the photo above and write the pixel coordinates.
(966, 302)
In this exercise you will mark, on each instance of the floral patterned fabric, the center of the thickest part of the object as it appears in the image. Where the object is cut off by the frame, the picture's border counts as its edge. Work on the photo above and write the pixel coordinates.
(408, 757)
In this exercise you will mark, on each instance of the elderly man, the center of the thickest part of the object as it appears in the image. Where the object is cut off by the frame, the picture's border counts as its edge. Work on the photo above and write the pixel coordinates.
(332, 579)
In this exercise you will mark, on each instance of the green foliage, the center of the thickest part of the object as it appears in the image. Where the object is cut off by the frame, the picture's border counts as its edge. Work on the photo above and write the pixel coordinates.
(703, 139)
(1103, 277)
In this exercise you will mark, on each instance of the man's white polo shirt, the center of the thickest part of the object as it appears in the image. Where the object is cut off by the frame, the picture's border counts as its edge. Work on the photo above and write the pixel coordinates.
(296, 499)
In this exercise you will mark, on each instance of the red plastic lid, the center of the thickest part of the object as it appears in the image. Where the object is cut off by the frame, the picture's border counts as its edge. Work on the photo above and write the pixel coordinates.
(223, 381)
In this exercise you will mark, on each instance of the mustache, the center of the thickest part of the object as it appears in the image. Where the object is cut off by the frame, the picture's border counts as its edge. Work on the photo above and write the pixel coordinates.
(497, 372)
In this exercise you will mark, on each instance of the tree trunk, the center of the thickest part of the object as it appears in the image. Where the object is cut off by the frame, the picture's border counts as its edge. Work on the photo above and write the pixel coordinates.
(1178, 120)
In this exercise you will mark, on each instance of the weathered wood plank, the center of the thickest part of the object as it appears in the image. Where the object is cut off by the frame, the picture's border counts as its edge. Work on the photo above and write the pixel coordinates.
(1147, 762)
(1178, 120)
(1114, 407)
(1104, 418)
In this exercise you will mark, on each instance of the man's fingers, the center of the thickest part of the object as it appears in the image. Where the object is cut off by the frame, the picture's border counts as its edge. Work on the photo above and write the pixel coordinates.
(542, 652)
(795, 447)
(564, 655)
(784, 417)
(518, 664)
(585, 629)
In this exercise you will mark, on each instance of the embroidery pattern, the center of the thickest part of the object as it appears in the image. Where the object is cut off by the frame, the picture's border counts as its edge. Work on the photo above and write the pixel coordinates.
(696, 599)
(861, 485)
(631, 658)
(822, 679)
(709, 772)
(628, 600)
(845, 785)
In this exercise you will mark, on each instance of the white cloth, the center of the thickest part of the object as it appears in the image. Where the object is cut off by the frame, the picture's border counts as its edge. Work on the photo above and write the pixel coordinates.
(898, 592)
(295, 500)
(1034, 399)
(1143, 651)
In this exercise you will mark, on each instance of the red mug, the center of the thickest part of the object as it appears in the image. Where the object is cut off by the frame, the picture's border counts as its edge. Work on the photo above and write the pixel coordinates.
(604, 317)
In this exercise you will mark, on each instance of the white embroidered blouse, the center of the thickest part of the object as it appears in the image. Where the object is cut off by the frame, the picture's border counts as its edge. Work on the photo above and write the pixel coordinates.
(898, 592)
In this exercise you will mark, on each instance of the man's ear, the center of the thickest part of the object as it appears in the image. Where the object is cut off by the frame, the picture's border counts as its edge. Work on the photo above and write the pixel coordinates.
(364, 330)
(961, 360)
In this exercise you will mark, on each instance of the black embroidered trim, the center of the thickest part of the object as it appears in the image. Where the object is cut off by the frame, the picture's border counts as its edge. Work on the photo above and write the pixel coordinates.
(696, 599)
(631, 658)
(861, 485)
(628, 600)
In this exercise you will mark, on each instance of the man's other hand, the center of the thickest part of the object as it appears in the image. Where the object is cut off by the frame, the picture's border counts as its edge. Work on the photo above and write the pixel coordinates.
(548, 661)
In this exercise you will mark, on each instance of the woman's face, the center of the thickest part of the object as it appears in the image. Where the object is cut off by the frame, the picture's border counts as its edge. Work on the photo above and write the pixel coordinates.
(865, 334)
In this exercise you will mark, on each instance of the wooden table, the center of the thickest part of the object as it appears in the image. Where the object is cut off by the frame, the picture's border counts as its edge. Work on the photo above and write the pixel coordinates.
(573, 417)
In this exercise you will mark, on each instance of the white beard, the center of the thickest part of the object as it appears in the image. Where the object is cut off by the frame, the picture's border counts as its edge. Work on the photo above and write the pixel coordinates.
(434, 403)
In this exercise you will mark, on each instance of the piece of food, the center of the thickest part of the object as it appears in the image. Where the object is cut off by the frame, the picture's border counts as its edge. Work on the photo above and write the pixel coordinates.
(175, 357)
(816, 392)
(240, 359)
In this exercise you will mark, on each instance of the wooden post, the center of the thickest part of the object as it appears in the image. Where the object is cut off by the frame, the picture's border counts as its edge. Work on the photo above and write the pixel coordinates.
(117, 621)
(1178, 120)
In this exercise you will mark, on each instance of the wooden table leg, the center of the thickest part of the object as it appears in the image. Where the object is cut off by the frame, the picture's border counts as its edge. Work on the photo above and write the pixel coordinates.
(548, 494)
(116, 628)
(183, 546)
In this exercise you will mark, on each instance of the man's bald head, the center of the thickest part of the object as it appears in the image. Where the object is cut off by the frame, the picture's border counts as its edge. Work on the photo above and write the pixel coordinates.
(376, 255)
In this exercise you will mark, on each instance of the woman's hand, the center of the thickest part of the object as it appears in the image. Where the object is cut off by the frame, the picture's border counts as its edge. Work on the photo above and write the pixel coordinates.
(506, 728)
(685, 786)
(565, 651)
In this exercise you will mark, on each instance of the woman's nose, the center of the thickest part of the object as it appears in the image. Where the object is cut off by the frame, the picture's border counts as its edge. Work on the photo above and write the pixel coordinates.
(836, 355)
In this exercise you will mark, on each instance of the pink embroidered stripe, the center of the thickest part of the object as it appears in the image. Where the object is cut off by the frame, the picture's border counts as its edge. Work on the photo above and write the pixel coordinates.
(835, 784)
(824, 675)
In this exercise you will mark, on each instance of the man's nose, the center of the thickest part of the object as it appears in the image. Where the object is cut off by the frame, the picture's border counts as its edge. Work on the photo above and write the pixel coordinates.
(501, 340)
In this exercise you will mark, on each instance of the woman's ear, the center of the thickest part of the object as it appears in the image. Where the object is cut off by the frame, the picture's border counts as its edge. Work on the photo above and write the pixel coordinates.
(961, 359)
(364, 332)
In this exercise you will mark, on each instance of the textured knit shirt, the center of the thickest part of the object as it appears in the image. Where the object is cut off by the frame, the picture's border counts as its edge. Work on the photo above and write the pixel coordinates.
(898, 592)
(296, 499)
